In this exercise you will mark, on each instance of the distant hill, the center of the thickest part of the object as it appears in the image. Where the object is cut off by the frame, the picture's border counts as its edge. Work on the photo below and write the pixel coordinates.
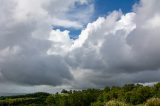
(11, 94)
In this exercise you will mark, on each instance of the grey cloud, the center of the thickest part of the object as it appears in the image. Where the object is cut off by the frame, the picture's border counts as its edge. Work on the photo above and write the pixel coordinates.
(23, 53)
(36, 70)
(31, 65)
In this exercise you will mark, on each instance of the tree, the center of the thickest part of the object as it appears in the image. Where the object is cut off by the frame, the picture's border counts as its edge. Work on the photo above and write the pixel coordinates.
(50, 99)
(64, 91)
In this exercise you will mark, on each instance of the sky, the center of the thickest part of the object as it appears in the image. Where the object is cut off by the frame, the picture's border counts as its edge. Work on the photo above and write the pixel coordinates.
(50, 45)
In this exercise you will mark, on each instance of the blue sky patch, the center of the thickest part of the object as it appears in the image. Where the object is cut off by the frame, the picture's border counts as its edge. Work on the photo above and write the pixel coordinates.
(101, 8)
(73, 32)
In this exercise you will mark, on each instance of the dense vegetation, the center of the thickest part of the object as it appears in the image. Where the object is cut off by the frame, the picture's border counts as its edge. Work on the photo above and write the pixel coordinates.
(128, 95)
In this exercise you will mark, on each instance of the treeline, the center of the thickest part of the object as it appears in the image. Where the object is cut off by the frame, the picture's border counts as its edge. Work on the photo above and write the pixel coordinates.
(128, 95)
(35, 99)
(74, 98)
(131, 94)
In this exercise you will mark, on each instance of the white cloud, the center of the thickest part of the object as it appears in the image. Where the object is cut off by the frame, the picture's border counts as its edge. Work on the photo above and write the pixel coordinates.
(61, 42)
(67, 23)
(26, 9)
(85, 33)
(153, 22)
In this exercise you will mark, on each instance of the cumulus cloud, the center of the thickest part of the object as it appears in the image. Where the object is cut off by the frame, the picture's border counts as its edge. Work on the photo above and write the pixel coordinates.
(113, 50)
(26, 37)
(119, 49)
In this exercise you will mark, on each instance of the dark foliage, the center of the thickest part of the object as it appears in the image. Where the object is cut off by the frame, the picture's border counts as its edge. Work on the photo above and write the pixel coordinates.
(131, 93)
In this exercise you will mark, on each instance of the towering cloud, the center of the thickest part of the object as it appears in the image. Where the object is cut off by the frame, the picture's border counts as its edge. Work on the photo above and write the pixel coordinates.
(119, 48)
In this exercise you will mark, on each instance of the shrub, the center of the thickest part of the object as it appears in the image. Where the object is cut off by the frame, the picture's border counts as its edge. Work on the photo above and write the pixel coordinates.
(153, 102)
(98, 103)
(116, 103)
